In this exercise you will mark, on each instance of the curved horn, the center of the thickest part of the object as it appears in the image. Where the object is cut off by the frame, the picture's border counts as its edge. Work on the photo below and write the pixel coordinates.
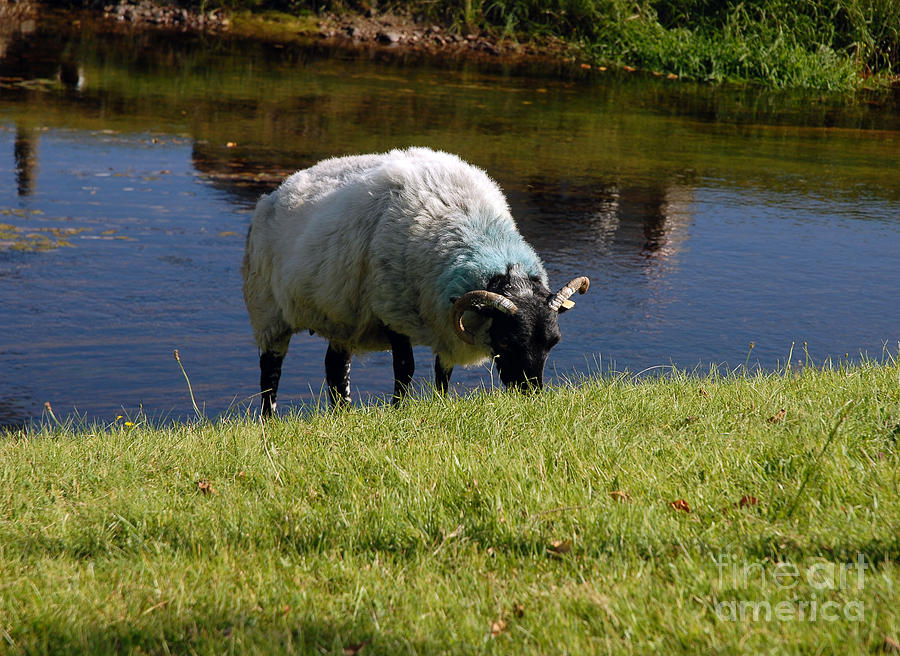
(477, 300)
(579, 284)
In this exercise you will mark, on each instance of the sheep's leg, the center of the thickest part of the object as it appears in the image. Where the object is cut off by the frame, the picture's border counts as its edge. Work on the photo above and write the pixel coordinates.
(337, 375)
(441, 375)
(269, 374)
(404, 365)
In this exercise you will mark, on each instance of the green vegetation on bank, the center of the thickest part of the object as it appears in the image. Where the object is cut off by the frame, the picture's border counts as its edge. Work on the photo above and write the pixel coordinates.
(816, 44)
(683, 514)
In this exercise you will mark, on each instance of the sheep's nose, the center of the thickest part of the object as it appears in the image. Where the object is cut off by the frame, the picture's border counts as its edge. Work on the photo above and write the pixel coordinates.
(528, 385)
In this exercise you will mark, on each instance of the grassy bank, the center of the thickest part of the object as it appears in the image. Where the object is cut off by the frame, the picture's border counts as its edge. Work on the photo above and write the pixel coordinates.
(663, 515)
(833, 44)
(816, 44)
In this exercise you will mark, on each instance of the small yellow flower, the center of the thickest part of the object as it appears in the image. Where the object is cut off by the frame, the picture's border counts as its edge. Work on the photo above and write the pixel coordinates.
(129, 423)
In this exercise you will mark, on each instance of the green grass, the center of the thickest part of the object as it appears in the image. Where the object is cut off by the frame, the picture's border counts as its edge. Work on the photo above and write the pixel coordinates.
(817, 44)
(476, 525)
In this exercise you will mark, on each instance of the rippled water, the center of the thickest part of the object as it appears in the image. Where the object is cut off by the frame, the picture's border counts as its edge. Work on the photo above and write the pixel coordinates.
(706, 219)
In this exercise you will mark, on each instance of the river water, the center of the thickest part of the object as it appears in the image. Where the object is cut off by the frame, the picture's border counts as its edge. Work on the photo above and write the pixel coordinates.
(706, 218)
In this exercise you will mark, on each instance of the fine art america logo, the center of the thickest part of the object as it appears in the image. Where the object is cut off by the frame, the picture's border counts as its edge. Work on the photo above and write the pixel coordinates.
(813, 590)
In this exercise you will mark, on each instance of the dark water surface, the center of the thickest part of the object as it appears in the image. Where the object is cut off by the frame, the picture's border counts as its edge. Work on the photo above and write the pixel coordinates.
(706, 218)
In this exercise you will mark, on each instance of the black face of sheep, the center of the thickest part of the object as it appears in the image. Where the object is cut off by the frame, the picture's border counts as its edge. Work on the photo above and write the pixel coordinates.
(524, 326)
(521, 343)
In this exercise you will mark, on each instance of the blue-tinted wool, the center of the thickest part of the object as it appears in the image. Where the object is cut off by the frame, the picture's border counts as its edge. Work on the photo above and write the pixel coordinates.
(487, 248)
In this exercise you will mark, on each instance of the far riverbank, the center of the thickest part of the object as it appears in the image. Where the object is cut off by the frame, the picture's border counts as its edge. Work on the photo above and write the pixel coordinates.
(827, 45)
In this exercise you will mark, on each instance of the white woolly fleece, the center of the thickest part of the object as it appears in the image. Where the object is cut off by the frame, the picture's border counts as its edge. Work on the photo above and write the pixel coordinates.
(356, 244)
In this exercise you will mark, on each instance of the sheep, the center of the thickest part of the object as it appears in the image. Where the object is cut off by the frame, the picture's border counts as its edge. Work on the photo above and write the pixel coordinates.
(384, 251)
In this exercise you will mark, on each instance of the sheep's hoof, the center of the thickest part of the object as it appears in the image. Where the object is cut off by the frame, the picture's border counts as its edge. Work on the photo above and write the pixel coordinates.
(339, 401)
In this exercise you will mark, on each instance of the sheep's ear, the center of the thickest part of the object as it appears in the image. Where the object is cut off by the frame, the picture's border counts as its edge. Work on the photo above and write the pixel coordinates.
(565, 306)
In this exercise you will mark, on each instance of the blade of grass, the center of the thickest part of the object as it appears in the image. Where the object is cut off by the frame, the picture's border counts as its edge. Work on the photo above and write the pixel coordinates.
(190, 389)
(831, 435)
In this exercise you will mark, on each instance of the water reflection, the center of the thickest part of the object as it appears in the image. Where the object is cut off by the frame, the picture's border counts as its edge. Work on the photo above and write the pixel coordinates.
(16, 20)
(21, 63)
(25, 154)
(649, 219)
(702, 216)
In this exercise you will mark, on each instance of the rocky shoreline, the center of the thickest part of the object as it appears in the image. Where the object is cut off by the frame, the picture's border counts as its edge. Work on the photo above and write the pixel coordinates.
(409, 33)
(144, 12)
(388, 31)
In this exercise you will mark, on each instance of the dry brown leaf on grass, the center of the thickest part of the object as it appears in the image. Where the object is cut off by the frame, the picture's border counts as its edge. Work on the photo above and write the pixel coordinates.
(778, 416)
(206, 487)
(890, 645)
(559, 547)
(620, 495)
(355, 648)
(680, 504)
(498, 627)
(748, 500)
